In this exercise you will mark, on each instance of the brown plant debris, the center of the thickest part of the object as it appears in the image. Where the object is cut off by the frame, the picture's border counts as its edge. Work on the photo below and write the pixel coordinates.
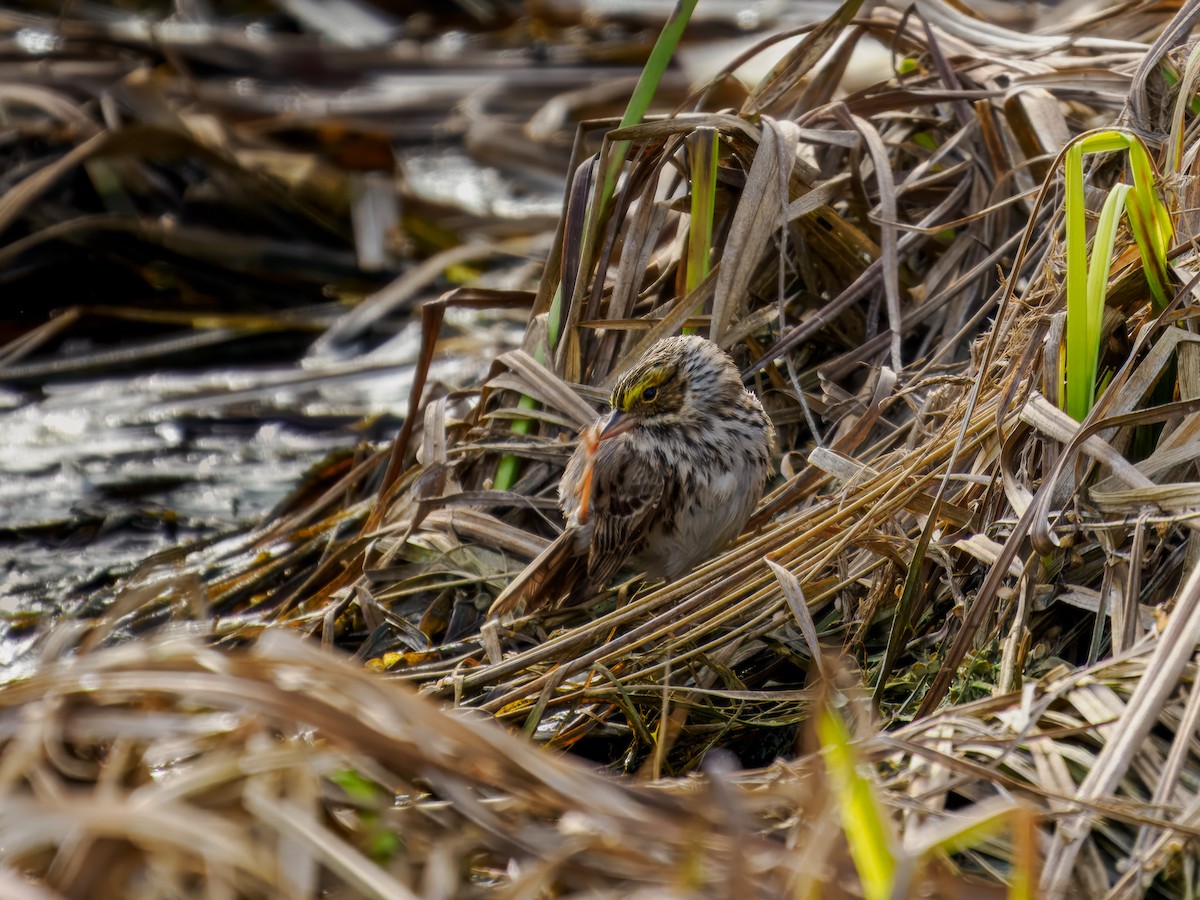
(1017, 591)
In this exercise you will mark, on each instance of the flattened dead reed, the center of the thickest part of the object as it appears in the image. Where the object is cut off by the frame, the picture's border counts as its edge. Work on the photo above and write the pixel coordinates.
(1017, 590)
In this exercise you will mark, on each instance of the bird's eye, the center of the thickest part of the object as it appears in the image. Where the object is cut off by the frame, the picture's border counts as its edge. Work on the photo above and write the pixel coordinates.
(649, 394)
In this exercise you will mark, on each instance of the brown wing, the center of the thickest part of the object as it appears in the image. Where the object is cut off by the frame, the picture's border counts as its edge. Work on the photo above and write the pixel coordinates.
(532, 589)
(622, 494)
(626, 490)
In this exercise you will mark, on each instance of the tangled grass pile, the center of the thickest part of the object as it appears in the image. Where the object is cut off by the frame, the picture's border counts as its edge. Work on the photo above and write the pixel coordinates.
(1011, 589)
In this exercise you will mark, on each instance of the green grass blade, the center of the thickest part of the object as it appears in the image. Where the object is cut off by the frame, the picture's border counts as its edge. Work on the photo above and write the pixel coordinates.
(1107, 141)
(1150, 221)
(702, 150)
(635, 110)
(1083, 359)
(643, 93)
(508, 468)
(1103, 243)
(867, 830)
(1077, 391)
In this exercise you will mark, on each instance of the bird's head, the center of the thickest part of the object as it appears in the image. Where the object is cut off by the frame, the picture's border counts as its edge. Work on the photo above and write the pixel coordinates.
(674, 383)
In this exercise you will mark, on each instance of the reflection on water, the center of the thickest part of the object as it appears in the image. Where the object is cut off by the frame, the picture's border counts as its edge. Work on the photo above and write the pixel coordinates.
(96, 475)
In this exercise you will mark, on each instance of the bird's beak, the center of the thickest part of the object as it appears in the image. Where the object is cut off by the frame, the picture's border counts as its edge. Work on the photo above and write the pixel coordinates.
(618, 423)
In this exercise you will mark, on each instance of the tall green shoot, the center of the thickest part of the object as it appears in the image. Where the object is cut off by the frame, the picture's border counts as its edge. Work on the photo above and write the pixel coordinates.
(866, 826)
(702, 152)
(509, 466)
(1087, 280)
(639, 103)
(887, 867)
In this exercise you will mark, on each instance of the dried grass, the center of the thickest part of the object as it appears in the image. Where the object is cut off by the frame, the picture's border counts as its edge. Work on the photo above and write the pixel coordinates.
(1019, 591)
